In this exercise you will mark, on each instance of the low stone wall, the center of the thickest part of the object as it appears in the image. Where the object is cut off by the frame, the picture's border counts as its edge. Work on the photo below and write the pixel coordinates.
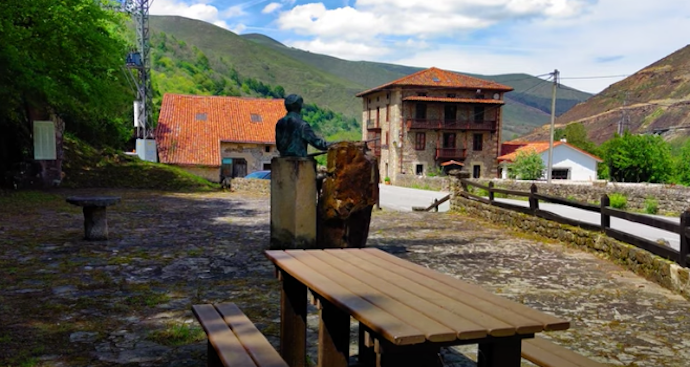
(441, 183)
(252, 184)
(672, 199)
(644, 263)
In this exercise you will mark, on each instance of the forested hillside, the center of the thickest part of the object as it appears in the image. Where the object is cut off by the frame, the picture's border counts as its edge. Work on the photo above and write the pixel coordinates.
(528, 106)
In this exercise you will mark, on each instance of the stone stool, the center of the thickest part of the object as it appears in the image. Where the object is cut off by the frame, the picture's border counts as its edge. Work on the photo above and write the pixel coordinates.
(95, 221)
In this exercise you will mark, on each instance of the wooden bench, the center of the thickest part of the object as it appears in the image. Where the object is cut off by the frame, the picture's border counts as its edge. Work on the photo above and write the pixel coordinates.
(547, 354)
(95, 220)
(233, 340)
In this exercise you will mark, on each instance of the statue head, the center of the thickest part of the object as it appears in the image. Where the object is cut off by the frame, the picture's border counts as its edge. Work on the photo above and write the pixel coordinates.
(293, 103)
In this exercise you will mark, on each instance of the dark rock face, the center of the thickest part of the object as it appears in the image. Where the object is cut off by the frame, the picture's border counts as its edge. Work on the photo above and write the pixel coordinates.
(350, 190)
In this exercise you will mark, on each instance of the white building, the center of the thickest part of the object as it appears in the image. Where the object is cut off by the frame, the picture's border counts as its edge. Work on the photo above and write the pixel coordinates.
(569, 162)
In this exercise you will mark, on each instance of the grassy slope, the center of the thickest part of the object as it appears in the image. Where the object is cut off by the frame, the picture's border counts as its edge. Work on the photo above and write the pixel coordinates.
(85, 166)
(664, 83)
(266, 65)
(527, 107)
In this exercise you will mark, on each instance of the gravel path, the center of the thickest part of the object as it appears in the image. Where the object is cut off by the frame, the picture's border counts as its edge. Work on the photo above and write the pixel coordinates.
(126, 301)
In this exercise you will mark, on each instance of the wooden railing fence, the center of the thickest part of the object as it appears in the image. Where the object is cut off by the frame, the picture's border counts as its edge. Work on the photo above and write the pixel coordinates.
(682, 229)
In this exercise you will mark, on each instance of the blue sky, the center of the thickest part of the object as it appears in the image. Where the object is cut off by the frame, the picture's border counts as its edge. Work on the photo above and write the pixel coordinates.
(581, 38)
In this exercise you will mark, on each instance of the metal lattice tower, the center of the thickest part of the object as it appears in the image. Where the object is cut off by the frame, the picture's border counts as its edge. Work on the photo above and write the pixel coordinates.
(139, 65)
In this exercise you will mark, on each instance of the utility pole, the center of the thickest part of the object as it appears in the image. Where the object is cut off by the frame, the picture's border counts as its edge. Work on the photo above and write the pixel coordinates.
(553, 121)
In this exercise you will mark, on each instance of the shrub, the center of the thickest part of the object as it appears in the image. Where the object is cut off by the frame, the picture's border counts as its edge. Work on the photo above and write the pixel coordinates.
(651, 205)
(528, 165)
(618, 201)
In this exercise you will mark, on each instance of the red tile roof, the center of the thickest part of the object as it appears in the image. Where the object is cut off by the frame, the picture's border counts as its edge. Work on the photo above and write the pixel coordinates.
(184, 137)
(435, 77)
(453, 100)
(538, 147)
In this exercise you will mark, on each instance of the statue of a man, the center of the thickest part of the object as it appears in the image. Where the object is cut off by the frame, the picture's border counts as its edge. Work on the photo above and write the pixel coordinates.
(293, 134)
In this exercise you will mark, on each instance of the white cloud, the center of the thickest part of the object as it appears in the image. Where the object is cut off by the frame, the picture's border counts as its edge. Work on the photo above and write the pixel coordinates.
(239, 28)
(578, 37)
(270, 8)
(417, 17)
(199, 9)
(342, 49)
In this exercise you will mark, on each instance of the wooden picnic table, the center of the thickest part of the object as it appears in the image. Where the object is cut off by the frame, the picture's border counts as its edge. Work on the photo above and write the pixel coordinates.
(406, 312)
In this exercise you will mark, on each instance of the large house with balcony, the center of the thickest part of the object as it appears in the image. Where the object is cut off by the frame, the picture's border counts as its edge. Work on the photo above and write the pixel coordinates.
(418, 122)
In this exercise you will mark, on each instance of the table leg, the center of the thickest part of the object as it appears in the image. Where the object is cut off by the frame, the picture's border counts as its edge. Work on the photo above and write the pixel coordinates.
(95, 223)
(334, 336)
(389, 355)
(293, 322)
(367, 356)
(212, 359)
(504, 354)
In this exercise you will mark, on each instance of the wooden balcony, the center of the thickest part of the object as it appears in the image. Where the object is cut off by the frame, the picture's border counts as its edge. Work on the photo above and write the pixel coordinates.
(451, 153)
(428, 124)
(373, 125)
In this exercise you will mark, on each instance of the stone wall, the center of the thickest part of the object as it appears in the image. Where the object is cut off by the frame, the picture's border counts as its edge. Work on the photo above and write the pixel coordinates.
(672, 199)
(643, 263)
(441, 183)
(252, 185)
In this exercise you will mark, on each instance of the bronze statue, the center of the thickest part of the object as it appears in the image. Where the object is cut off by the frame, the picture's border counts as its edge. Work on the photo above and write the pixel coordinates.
(293, 134)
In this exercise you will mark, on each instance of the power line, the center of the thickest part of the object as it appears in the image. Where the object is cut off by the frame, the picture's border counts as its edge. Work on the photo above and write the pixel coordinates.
(597, 77)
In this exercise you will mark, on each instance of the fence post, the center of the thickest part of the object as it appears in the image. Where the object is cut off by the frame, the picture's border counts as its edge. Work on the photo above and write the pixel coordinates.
(605, 218)
(684, 245)
(491, 191)
(533, 202)
(436, 205)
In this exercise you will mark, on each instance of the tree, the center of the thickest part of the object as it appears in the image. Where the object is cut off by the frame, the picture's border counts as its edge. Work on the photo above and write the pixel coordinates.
(66, 56)
(576, 135)
(528, 165)
(638, 158)
(682, 163)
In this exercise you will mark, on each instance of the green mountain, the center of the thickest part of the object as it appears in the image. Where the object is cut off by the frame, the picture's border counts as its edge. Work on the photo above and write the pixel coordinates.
(332, 83)
(528, 106)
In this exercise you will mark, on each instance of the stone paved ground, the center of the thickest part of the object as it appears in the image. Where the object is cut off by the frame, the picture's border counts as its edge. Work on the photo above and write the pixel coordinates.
(126, 302)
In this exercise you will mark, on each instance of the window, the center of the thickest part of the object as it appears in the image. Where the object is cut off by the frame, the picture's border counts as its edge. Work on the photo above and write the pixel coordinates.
(421, 94)
(267, 149)
(478, 141)
(450, 113)
(560, 173)
(450, 95)
(387, 139)
(267, 166)
(388, 96)
(378, 115)
(479, 113)
(449, 140)
(201, 116)
(419, 169)
(420, 111)
(45, 147)
(377, 99)
(388, 112)
(476, 171)
(420, 141)
(256, 117)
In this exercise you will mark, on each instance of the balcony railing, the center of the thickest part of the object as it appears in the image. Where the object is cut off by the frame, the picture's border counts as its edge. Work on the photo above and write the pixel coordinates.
(451, 153)
(437, 124)
(373, 125)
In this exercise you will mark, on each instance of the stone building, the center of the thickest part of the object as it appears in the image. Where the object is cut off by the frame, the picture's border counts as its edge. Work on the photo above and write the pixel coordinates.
(431, 117)
(210, 135)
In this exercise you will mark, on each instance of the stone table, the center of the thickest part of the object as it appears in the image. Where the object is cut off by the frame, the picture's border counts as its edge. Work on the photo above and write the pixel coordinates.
(95, 220)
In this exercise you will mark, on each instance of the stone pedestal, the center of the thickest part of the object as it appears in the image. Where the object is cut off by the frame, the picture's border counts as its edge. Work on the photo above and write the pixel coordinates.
(95, 219)
(350, 191)
(293, 203)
